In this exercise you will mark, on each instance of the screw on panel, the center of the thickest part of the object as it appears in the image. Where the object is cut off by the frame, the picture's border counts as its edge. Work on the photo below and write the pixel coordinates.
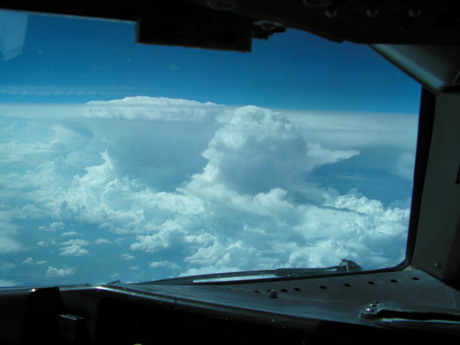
(272, 294)
(267, 25)
(330, 13)
(415, 12)
(370, 311)
(372, 12)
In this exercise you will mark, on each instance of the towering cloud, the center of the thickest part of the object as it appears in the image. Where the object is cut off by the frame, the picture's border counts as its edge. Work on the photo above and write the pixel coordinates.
(176, 187)
(259, 150)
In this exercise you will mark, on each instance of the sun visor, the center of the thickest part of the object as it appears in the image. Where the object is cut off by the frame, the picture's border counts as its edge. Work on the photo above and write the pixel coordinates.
(435, 67)
(13, 27)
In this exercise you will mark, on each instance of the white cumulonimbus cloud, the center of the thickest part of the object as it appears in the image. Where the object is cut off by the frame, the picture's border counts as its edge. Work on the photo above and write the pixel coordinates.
(259, 150)
(183, 187)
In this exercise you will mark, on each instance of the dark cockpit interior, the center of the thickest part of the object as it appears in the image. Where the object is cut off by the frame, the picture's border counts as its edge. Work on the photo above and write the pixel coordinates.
(416, 301)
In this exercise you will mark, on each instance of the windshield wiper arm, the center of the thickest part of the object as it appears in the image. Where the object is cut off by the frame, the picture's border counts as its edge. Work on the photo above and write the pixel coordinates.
(344, 267)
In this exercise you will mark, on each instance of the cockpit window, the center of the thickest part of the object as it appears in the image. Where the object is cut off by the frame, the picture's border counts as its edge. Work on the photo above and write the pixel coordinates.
(140, 162)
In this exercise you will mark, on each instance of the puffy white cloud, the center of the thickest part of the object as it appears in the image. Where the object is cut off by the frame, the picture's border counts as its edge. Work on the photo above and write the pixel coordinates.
(259, 150)
(127, 256)
(74, 247)
(53, 272)
(164, 264)
(69, 233)
(76, 241)
(356, 228)
(54, 226)
(31, 261)
(74, 250)
(28, 261)
(229, 190)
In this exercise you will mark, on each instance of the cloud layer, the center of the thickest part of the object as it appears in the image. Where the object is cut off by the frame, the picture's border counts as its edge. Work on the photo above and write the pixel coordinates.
(144, 188)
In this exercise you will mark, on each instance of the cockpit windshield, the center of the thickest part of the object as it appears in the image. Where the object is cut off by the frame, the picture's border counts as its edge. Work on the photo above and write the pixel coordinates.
(139, 162)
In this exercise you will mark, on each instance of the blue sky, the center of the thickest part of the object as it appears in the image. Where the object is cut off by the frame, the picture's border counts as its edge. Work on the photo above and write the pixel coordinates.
(137, 162)
(297, 70)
